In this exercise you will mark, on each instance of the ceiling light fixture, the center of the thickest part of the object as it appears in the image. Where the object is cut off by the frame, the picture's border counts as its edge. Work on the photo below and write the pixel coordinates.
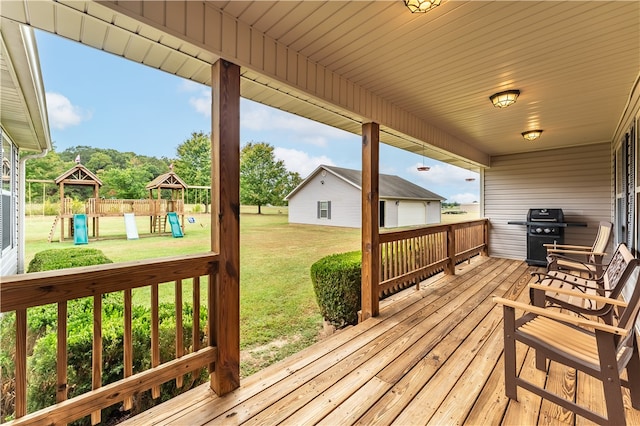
(421, 6)
(531, 135)
(504, 99)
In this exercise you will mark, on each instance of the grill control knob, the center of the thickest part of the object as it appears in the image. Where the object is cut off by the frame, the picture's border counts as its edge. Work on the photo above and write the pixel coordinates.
(539, 230)
(547, 230)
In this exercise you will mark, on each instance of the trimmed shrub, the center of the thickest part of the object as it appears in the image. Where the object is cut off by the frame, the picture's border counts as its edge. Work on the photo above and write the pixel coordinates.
(337, 283)
(49, 260)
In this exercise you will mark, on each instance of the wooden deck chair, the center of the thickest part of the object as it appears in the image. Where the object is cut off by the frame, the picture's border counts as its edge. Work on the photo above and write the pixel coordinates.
(600, 350)
(564, 290)
(583, 259)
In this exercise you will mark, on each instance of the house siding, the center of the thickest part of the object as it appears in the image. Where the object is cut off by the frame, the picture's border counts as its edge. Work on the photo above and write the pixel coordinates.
(577, 180)
(344, 197)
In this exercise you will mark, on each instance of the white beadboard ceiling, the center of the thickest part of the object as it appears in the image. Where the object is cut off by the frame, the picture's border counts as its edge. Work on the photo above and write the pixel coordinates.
(575, 62)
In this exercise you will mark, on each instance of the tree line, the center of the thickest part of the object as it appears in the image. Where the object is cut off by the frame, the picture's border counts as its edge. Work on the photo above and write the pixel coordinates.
(264, 180)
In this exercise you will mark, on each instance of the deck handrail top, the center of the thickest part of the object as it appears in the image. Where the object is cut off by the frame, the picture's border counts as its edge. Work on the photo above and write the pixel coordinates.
(18, 291)
(427, 229)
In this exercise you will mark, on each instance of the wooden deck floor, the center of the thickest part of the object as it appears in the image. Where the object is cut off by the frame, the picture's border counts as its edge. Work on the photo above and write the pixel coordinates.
(433, 356)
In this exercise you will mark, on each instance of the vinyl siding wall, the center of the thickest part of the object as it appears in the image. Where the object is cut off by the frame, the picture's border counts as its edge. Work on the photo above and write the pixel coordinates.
(345, 202)
(577, 180)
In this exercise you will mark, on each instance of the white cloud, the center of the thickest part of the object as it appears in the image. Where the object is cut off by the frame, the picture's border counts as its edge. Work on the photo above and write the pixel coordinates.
(201, 104)
(300, 161)
(190, 86)
(62, 113)
(258, 117)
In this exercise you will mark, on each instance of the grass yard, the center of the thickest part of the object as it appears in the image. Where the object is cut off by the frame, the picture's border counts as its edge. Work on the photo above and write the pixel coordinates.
(278, 312)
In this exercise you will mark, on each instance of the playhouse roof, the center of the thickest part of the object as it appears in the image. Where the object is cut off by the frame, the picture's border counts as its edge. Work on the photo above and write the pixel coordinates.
(390, 186)
(168, 180)
(78, 175)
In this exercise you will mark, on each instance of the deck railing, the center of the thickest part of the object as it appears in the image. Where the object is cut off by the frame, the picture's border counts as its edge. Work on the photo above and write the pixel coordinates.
(408, 257)
(21, 292)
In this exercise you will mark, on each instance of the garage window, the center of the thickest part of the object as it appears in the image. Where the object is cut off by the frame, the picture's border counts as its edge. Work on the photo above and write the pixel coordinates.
(324, 209)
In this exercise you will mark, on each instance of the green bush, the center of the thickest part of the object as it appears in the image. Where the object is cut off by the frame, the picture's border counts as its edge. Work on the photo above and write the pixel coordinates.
(49, 260)
(337, 283)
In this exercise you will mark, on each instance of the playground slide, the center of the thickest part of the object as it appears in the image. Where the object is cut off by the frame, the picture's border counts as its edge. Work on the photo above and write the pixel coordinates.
(130, 226)
(176, 230)
(80, 232)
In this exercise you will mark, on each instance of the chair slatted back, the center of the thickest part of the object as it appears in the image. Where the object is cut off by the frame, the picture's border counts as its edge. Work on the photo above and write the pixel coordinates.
(602, 239)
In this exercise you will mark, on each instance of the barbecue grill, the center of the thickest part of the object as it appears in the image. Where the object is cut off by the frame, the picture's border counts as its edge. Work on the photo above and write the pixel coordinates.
(544, 226)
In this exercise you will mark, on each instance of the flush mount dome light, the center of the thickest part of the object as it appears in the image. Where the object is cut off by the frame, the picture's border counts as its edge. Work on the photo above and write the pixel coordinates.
(421, 6)
(504, 99)
(531, 135)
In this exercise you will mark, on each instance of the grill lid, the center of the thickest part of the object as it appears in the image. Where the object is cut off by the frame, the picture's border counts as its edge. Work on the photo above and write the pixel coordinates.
(545, 215)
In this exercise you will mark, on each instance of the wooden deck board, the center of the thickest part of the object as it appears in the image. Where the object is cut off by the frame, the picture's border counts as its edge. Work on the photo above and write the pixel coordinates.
(433, 356)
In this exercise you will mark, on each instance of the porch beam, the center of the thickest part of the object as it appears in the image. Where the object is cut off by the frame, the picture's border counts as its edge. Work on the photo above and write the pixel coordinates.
(370, 220)
(225, 220)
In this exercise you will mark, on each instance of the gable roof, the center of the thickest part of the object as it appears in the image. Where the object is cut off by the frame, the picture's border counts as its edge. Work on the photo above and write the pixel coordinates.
(79, 175)
(168, 180)
(391, 186)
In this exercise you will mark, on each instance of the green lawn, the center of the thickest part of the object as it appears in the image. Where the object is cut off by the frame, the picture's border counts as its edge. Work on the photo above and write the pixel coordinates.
(278, 312)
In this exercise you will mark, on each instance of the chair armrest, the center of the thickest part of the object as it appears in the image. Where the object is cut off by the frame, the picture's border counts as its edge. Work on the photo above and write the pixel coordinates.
(552, 251)
(557, 316)
(579, 294)
(567, 247)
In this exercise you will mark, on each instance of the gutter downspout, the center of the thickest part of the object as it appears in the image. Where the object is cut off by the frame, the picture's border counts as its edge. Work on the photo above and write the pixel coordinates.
(21, 207)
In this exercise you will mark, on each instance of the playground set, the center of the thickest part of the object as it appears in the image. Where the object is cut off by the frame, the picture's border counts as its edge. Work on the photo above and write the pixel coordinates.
(160, 211)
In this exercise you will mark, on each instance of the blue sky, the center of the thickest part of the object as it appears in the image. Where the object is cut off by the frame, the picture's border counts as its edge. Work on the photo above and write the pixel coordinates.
(101, 100)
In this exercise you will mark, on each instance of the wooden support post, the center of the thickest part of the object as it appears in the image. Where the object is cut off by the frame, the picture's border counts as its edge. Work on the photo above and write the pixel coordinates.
(450, 267)
(370, 226)
(225, 223)
(485, 239)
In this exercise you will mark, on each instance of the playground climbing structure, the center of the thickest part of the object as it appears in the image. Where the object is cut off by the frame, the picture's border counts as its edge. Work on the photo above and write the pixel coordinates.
(166, 195)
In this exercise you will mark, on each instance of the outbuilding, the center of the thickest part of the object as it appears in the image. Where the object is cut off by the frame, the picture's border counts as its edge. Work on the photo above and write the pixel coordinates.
(332, 196)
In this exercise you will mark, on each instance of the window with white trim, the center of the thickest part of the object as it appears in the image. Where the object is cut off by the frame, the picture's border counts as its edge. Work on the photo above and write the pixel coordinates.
(324, 210)
(7, 220)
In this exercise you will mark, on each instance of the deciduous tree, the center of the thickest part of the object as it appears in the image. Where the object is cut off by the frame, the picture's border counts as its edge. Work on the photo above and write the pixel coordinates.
(263, 179)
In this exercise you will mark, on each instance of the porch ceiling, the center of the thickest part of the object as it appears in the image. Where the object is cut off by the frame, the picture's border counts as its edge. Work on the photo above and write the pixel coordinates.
(575, 62)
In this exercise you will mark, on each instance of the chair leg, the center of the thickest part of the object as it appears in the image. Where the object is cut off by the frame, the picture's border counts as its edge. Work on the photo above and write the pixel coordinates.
(538, 299)
(610, 377)
(633, 375)
(511, 389)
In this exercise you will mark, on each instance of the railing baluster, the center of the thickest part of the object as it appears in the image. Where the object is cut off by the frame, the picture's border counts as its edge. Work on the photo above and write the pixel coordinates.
(128, 344)
(179, 339)
(61, 364)
(96, 378)
(195, 327)
(155, 338)
(21, 362)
